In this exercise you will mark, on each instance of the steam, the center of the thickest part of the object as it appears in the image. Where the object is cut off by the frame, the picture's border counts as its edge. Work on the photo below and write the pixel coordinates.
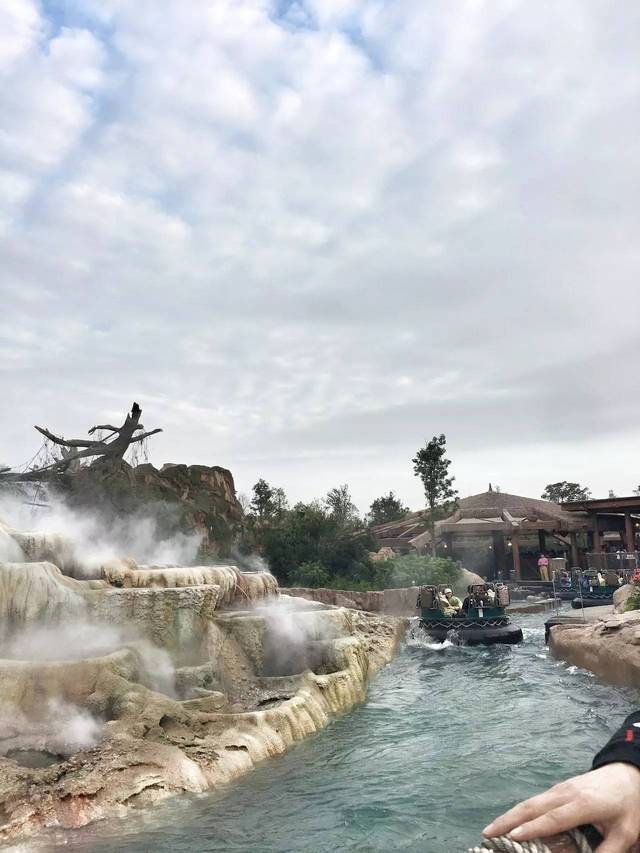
(148, 537)
(61, 728)
(294, 641)
(68, 641)
(249, 562)
(82, 640)
(78, 728)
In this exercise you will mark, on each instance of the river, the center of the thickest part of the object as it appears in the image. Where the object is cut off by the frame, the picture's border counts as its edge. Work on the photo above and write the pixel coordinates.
(449, 737)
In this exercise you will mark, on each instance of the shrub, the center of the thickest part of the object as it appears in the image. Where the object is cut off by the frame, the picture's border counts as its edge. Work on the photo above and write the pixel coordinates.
(633, 602)
(310, 574)
(413, 569)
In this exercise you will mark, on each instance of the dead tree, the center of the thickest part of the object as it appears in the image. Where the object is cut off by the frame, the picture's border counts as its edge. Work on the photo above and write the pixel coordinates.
(111, 448)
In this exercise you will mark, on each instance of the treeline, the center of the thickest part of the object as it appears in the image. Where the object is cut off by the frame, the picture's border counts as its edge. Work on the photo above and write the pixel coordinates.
(327, 543)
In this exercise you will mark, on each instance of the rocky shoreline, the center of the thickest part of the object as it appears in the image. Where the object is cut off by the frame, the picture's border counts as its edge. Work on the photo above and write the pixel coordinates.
(607, 645)
(174, 680)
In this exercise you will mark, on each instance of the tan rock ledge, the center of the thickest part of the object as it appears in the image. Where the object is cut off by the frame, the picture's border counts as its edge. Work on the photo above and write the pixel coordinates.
(181, 691)
(607, 647)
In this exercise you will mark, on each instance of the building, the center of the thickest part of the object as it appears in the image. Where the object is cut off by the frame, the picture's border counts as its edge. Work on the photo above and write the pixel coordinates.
(614, 526)
(496, 534)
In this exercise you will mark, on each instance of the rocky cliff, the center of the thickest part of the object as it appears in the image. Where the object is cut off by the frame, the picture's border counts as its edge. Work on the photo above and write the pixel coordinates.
(183, 498)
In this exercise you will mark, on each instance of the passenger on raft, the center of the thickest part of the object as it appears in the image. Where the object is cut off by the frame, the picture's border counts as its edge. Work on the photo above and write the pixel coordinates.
(451, 604)
(479, 598)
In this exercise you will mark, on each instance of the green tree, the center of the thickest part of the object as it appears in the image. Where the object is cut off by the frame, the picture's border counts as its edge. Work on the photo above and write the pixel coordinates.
(636, 491)
(564, 491)
(340, 505)
(309, 533)
(386, 508)
(262, 500)
(279, 502)
(432, 466)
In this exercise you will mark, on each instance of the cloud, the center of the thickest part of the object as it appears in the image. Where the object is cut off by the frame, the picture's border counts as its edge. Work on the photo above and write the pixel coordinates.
(321, 228)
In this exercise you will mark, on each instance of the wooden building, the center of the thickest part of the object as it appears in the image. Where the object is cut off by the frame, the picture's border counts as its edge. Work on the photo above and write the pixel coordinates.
(614, 526)
(496, 534)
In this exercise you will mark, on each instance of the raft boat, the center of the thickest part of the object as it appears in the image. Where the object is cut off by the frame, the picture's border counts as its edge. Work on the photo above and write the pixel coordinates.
(598, 598)
(483, 621)
(596, 589)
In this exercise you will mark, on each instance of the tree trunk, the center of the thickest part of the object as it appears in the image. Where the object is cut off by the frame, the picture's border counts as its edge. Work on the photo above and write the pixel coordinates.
(75, 449)
(432, 528)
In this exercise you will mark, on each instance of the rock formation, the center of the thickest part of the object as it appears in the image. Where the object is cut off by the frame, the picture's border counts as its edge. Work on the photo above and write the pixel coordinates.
(153, 680)
(91, 473)
(608, 647)
(620, 597)
(184, 498)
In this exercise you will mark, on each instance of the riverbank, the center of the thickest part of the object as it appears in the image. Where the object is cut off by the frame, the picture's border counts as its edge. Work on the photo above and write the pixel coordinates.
(608, 645)
(151, 681)
(448, 738)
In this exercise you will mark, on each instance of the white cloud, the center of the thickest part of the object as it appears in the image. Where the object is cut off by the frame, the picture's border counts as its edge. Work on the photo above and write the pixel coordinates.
(332, 232)
(20, 26)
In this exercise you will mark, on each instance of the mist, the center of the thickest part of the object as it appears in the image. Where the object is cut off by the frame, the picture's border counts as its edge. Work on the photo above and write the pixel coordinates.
(80, 640)
(93, 539)
(293, 640)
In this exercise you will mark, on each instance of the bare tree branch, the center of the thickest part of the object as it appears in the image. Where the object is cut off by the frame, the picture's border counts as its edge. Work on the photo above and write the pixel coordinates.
(103, 426)
(58, 439)
(145, 435)
(112, 448)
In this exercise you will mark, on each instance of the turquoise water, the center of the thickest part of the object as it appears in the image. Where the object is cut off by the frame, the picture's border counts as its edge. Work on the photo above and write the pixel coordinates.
(448, 738)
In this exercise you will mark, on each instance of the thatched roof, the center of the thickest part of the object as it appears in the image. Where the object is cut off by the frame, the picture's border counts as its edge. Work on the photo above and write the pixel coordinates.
(501, 511)
(487, 512)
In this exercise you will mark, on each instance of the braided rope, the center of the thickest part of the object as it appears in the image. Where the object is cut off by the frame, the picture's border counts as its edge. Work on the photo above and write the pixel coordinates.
(491, 623)
(504, 844)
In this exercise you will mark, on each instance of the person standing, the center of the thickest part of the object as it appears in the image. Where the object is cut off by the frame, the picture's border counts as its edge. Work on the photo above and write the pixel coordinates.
(543, 567)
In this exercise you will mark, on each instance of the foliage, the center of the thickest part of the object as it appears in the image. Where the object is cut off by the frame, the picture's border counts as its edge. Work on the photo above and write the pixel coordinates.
(310, 533)
(324, 544)
(635, 491)
(280, 502)
(564, 491)
(633, 602)
(413, 569)
(268, 501)
(385, 509)
(338, 502)
(432, 466)
(310, 574)
(262, 500)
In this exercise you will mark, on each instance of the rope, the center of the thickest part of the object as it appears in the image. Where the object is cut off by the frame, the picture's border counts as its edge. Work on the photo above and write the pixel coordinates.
(484, 623)
(504, 844)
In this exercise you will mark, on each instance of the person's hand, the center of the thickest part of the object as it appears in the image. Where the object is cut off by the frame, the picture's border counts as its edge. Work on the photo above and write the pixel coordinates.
(607, 798)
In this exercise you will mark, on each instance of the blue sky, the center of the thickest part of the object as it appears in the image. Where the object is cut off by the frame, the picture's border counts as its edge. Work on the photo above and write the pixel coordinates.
(308, 236)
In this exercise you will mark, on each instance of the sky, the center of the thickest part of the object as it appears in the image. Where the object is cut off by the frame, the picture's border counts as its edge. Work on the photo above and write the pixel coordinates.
(308, 235)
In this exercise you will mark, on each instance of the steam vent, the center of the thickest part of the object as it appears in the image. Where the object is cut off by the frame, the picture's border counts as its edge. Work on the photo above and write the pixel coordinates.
(148, 681)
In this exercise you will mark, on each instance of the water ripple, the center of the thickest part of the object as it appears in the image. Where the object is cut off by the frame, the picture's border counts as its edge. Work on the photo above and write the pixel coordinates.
(450, 736)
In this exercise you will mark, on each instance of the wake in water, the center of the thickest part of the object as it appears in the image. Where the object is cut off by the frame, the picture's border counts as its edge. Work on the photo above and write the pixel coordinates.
(417, 638)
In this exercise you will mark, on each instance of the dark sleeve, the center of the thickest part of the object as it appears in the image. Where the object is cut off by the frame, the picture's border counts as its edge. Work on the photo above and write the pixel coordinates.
(624, 745)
